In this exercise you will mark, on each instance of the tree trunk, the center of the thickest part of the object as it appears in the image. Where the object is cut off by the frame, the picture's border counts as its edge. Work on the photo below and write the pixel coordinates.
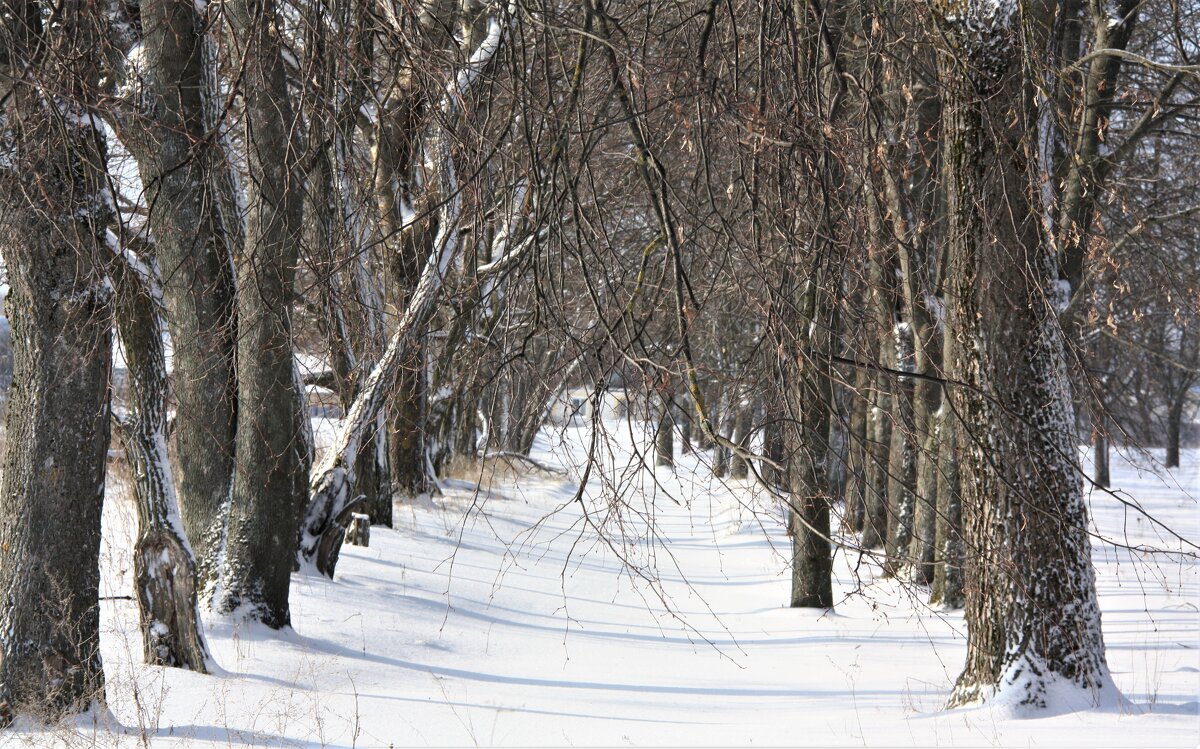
(924, 531)
(664, 438)
(720, 463)
(902, 462)
(54, 211)
(270, 483)
(711, 396)
(928, 419)
(742, 428)
(810, 403)
(856, 452)
(405, 416)
(1174, 424)
(812, 554)
(164, 567)
(683, 418)
(948, 543)
(879, 425)
(1033, 622)
(773, 443)
(169, 112)
(1103, 478)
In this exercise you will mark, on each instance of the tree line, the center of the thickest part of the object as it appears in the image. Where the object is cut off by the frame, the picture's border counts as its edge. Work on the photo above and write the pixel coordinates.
(889, 261)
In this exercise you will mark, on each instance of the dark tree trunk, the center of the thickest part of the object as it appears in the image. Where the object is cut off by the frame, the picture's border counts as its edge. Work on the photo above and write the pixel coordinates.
(406, 430)
(773, 438)
(810, 403)
(54, 211)
(1032, 618)
(881, 302)
(270, 482)
(1174, 423)
(1103, 477)
(948, 544)
(720, 463)
(924, 531)
(465, 437)
(812, 554)
(165, 124)
(928, 419)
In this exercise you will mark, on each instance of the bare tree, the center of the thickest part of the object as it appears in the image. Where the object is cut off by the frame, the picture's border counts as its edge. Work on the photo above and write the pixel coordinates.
(55, 208)
(1031, 610)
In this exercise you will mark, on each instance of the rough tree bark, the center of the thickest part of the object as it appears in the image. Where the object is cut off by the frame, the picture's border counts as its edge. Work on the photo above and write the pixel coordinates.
(879, 413)
(1103, 477)
(164, 566)
(269, 483)
(810, 398)
(54, 211)
(168, 96)
(720, 461)
(1032, 617)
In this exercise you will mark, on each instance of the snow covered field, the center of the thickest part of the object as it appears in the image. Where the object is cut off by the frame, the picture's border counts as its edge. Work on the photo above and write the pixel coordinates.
(515, 617)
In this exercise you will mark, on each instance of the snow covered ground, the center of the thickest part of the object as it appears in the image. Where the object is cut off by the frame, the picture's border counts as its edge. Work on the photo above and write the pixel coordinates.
(517, 616)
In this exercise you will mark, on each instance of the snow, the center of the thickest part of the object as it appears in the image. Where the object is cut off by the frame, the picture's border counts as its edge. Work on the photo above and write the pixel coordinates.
(514, 616)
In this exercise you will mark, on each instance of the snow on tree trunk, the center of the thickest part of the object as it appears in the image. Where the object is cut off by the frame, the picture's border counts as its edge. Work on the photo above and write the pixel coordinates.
(902, 459)
(167, 95)
(1034, 639)
(164, 567)
(54, 211)
(332, 500)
